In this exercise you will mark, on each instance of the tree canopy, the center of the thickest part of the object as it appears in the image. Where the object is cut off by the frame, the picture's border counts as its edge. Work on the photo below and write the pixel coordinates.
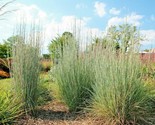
(57, 44)
(124, 37)
(6, 46)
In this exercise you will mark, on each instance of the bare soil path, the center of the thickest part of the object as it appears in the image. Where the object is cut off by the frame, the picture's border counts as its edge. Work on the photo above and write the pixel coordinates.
(55, 113)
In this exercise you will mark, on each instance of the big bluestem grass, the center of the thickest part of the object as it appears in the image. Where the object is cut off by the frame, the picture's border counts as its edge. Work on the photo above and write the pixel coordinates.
(120, 96)
(108, 81)
(75, 77)
(26, 67)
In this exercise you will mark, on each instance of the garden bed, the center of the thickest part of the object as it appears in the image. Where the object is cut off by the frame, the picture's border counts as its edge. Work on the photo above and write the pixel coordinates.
(55, 113)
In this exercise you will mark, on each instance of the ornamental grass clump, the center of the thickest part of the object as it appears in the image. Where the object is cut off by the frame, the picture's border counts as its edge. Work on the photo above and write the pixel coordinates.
(10, 107)
(75, 76)
(26, 66)
(120, 96)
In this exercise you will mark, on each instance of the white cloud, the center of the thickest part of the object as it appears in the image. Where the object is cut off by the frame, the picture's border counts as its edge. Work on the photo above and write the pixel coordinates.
(75, 25)
(51, 26)
(133, 19)
(100, 8)
(149, 36)
(30, 13)
(114, 11)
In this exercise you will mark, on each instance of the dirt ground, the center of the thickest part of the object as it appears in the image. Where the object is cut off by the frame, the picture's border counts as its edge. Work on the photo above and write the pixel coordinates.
(55, 113)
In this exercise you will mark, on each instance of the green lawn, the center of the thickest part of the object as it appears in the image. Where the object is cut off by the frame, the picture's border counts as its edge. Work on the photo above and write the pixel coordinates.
(5, 84)
(46, 87)
(8, 83)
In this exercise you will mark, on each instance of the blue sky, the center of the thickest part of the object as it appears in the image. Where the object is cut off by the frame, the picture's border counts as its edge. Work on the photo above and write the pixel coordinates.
(94, 15)
(85, 8)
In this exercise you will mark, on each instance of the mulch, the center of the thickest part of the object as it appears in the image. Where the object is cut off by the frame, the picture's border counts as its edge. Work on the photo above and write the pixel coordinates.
(55, 113)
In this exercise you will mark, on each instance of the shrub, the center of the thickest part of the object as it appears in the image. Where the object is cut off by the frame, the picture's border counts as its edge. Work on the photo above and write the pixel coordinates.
(120, 97)
(74, 77)
(26, 67)
(149, 70)
(46, 65)
(149, 74)
(46, 56)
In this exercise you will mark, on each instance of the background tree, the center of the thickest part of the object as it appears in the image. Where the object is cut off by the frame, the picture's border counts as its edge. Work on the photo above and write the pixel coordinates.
(6, 46)
(56, 46)
(4, 53)
(46, 56)
(146, 50)
(124, 37)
